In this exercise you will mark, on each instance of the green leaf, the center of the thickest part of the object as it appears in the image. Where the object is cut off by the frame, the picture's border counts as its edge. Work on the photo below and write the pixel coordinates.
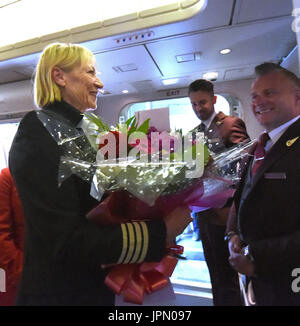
(131, 120)
(102, 126)
(144, 127)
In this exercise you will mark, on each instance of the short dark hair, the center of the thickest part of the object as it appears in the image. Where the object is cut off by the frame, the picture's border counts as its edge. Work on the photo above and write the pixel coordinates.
(201, 85)
(268, 67)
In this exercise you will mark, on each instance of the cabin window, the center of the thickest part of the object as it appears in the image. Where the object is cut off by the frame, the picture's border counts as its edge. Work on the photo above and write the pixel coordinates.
(7, 133)
(181, 112)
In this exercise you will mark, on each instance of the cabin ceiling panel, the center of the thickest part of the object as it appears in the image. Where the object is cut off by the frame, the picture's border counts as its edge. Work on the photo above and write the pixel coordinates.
(207, 33)
(239, 73)
(16, 97)
(247, 11)
(8, 76)
(269, 41)
(10, 70)
(206, 19)
(126, 65)
(18, 68)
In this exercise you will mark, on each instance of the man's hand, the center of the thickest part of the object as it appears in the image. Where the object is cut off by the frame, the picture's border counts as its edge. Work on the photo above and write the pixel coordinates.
(242, 264)
(234, 245)
(237, 258)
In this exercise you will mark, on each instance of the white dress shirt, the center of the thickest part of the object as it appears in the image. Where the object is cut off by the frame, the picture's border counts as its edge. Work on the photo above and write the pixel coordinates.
(209, 120)
(276, 133)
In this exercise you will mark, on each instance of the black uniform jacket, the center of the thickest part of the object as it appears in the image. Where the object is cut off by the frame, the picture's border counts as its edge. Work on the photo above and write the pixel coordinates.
(63, 250)
(224, 132)
(268, 219)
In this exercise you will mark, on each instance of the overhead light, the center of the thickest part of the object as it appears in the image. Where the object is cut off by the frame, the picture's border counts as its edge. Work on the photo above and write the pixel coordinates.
(225, 51)
(213, 75)
(171, 81)
(188, 57)
(125, 91)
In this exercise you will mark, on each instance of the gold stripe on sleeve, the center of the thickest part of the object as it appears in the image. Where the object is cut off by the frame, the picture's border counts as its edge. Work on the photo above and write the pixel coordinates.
(139, 240)
(145, 242)
(131, 245)
(125, 244)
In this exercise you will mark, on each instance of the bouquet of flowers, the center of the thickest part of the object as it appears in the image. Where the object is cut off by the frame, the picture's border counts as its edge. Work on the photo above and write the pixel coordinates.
(143, 174)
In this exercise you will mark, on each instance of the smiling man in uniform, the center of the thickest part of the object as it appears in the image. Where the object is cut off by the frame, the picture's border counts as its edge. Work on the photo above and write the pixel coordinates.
(264, 225)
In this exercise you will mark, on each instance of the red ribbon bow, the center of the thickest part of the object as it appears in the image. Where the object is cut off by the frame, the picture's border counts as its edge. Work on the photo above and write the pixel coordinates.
(133, 280)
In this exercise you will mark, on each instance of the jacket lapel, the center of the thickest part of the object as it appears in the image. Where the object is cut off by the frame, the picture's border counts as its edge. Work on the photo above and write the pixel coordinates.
(279, 149)
(244, 164)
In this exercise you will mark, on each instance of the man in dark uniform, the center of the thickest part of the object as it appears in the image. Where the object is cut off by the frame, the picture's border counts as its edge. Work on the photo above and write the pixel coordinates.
(221, 132)
(264, 224)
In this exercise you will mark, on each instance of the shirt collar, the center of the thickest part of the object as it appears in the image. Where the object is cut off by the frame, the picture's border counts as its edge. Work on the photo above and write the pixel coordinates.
(276, 133)
(209, 120)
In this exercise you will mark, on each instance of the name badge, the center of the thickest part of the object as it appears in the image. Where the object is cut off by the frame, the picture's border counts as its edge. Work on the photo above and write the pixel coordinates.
(275, 175)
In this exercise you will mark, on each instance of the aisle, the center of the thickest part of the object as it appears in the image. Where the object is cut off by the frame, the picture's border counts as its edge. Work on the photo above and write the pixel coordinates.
(190, 279)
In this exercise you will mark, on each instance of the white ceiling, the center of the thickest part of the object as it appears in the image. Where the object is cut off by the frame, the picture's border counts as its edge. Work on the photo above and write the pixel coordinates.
(249, 11)
(258, 46)
(256, 31)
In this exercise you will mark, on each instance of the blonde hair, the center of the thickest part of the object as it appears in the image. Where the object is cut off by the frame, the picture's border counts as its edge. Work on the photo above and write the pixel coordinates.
(62, 55)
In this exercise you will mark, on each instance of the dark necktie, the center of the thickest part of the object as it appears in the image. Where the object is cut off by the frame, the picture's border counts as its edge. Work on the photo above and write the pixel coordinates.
(259, 153)
(202, 127)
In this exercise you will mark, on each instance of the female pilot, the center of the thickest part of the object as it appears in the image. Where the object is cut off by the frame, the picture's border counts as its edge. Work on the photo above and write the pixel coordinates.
(63, 250)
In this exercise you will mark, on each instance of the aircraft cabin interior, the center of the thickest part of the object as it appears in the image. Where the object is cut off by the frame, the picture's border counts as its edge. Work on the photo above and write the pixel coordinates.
(146, 59)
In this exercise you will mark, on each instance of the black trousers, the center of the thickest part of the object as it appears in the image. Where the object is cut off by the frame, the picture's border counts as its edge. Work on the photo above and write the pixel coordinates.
(224, 280)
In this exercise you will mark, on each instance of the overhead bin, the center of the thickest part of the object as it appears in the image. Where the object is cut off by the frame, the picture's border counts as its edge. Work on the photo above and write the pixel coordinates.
(16, 99)
(44, 21)
(258, 41)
